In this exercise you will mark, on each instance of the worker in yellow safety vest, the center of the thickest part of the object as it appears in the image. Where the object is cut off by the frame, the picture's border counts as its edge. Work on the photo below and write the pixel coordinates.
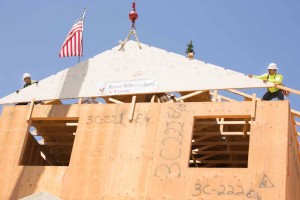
(271, 76)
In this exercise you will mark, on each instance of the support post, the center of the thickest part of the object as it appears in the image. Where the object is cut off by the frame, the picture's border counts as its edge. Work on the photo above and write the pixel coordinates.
(253, 111)
(132, 106)
(28, 118)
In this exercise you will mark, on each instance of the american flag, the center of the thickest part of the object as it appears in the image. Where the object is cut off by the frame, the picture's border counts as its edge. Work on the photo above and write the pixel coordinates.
(72, 46)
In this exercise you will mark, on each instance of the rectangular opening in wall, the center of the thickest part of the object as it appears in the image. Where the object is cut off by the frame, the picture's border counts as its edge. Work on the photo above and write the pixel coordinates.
(49, 143)
(220, 142)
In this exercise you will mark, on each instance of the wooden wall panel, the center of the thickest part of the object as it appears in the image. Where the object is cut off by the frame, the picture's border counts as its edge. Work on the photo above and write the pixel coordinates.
(172, 149)
(11, 134)
(111, 156)
(147, 158)
(19, 181)
(263, 179)
(293, 165)
(33, 179)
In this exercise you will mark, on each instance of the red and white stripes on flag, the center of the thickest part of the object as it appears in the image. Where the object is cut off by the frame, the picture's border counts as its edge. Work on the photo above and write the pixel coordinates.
(72, 46)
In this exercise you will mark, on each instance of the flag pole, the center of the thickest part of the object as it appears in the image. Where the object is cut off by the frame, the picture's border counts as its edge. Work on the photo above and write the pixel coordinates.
(83, 18)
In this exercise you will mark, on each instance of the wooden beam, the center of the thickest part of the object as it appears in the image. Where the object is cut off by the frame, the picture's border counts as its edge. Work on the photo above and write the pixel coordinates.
(202, 138)
(52, 102)
(55, 143)
(241, 94)
(288, 89)
(132, 106)
(49, 158)
(226, 161)
(188, 95)
(196, 151)
(220, 133)
(220, 122)
(205, 157)
(114, 100)
(222, 125)
(220, 143)
(29, 114)
(56, 124)
(80, 100)
(253, 111)
(35, 133)
(221, 97)
(297, 123)
(245, 128)
(206, 147)
(295, 113)
(215, 96)
(194, 160)
(226, 98)
(153, 98)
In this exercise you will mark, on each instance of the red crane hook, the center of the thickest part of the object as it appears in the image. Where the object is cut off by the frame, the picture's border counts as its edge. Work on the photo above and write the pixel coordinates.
(133, 15)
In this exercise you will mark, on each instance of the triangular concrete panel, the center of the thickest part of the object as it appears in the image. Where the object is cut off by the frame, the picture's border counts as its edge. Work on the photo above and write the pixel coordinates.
(41, 196)
(132, 69)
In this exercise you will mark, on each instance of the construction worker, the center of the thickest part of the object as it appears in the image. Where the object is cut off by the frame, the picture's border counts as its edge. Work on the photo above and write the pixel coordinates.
(271, 76)
(27, 80)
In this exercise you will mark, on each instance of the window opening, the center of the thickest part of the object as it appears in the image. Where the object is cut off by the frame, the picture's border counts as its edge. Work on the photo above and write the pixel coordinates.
(220, 142)
(49, 143)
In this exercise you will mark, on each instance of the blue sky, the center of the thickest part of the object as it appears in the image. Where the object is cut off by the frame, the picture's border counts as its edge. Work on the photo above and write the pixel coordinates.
(241, 35)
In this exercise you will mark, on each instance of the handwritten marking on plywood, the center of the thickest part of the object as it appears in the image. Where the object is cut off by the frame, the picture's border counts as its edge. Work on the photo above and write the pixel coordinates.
(140, 119)
(225, 190)
(266, 183)
(172, 142)
(113, 156)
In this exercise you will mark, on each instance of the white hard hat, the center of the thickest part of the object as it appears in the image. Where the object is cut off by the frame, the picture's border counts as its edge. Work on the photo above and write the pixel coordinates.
(26, 75)
(273, 66)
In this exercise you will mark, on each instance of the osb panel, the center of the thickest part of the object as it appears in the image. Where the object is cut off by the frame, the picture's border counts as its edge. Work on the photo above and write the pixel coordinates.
(147, 158)
(18, 181)
(33, 179)
(5, 123)
(293, 173)
(111, 156)
(263, 179)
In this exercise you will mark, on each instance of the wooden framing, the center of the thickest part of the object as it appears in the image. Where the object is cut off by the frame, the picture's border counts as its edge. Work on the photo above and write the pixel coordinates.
(132, 106)
(30, 110)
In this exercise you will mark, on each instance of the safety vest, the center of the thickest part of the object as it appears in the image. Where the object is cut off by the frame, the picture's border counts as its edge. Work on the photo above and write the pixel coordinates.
(275, 78)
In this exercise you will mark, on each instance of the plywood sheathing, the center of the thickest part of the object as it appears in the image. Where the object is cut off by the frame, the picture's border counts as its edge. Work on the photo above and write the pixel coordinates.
(148, 157)
(293, 165)
(115, 150)
(19, 181)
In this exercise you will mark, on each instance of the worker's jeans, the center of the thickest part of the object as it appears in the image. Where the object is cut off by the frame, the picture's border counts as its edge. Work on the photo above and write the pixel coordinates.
(271, 95)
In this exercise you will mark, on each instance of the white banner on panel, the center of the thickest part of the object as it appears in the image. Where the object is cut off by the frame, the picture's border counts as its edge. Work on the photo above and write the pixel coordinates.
(127, 87)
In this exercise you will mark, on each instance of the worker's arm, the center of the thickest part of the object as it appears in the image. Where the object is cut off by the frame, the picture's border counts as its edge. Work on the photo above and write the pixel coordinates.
(262, 77)
(32, 82)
